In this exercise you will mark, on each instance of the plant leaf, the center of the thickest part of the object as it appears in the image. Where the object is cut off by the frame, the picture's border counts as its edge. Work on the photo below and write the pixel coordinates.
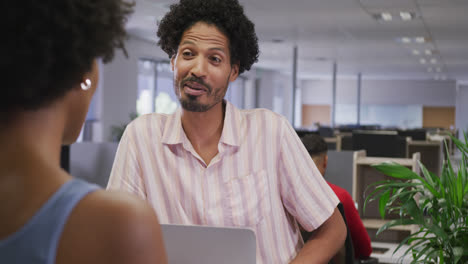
(457, 253)
(396, 170)
(426, 174)
(429, 185)
(412, 209)
(464, 176)
(395, 222)
(460, 144)
(430, 258)
(382, 187)
(421, 253)
(459, 189)
(383, 203)
(435, 229)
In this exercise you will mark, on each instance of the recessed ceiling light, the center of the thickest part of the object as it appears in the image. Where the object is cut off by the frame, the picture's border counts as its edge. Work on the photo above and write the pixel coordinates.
(433, 60)
(405, 40)
(406, 16)
(429, 69)
(386, 16)
(420, 40)
(438, 69)
(436, 77)
(443, 78)
(422, 61)
(417, 40)
(416, 52)
(428, 52)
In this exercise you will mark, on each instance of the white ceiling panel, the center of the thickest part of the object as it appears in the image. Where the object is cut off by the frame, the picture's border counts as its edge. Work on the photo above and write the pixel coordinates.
(346, 32)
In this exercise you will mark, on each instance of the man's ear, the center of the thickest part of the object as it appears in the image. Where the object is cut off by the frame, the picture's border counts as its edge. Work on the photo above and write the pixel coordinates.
(325, 162)
(172, 61)
(234, 72)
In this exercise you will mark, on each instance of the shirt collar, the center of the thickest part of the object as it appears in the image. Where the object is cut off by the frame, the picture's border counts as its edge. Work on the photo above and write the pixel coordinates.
(174, 133)
(232, 126)
(173, 130)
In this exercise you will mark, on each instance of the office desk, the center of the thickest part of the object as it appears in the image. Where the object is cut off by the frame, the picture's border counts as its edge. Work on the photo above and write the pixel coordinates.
(388, 256)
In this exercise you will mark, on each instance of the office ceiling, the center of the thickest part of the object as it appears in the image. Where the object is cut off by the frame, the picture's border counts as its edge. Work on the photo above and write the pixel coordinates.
(346, 32)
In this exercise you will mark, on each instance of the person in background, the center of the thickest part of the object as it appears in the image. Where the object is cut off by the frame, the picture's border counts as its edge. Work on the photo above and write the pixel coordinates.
(213, 164)
(317, 148)
(49, 73)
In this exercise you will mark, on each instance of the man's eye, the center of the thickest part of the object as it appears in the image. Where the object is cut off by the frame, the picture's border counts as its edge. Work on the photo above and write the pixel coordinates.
(216, 59)
(187, 53)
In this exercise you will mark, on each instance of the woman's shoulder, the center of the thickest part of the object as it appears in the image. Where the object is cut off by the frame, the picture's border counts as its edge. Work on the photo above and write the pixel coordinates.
(111, 227)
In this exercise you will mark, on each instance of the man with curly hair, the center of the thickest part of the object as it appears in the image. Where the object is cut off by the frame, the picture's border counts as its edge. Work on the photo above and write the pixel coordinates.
(213, 164)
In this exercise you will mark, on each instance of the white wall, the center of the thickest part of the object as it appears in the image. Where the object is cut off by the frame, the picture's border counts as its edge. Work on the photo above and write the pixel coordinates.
(119, 85)
(391, 92)
(320, 92)
(249, 93)
(395, 92)
(265, 88)
(275, 92)
(430, 93)
(461, 114)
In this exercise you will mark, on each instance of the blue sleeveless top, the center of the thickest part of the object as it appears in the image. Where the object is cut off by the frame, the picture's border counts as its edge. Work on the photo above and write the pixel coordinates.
(37, 241)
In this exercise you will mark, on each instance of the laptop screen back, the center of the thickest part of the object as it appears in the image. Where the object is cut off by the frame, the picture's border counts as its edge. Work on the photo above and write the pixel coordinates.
(209, 245)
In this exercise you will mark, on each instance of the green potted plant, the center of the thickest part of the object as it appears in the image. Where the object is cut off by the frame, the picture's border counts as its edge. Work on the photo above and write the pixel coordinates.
(437, 206)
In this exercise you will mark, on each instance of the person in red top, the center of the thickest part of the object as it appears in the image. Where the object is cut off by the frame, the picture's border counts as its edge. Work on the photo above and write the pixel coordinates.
(317, 148)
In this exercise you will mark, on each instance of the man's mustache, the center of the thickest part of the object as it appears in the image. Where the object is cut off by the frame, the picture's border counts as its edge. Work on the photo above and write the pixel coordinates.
(197, 80)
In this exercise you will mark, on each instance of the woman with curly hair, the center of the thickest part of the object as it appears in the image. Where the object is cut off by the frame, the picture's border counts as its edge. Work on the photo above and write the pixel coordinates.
(49, 75)
(213, 164)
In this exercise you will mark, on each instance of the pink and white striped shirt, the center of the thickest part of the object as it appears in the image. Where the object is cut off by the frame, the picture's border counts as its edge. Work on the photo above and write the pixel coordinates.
(262, 178)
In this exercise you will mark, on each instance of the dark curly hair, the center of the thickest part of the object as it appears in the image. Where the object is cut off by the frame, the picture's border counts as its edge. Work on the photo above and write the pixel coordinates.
(227, 15)
(48, 46)
(315, 144)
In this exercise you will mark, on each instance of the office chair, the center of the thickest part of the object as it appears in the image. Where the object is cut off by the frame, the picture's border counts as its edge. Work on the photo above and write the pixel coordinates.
(348, 248)
(346, 254)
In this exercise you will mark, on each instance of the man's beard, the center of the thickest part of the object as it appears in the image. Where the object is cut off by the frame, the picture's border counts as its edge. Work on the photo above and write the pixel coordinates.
(191, 104)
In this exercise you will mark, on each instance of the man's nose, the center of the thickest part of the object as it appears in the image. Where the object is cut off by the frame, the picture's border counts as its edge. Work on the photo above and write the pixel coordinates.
(199, 68)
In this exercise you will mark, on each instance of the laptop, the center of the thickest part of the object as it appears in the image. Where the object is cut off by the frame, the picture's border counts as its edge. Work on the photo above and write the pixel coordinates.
(191, 244)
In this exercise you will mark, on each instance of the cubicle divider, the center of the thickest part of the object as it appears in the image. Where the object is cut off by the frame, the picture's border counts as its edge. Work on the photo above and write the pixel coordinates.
(92, 161)
(340, 169)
